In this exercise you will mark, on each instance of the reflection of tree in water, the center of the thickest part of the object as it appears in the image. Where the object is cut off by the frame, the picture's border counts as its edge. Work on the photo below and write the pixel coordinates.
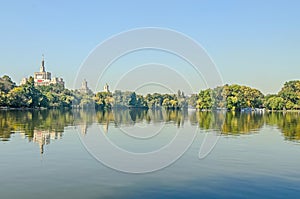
(291, 126)
(137, 115)
(122, 117)
(288, 123)
(83, 117)
(155, 116)
(133, 116)
(208, 120)
(176, 117)
(273, 118)
(36, 124)
(242, 123)
(228, 123)
(28, 121)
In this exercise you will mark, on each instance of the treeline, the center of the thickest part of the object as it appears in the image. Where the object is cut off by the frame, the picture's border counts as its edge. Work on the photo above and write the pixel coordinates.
(288, 97)
(237, 97)
(30, 96)
(229, 97)
(56, 96)
(129, 99)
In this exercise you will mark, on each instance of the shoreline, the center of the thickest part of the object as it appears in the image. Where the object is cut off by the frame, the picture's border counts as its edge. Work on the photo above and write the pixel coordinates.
(140, 108)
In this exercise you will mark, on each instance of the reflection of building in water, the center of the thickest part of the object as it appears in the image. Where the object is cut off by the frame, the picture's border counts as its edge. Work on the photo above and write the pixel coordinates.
(83, 129)
(105, 127)
(43, 138)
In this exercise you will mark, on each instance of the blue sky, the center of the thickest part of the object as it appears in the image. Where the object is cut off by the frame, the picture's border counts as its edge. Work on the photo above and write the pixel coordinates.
(255, 43)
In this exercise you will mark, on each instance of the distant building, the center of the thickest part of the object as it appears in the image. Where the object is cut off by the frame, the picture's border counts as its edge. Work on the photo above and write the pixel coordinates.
(84, 88)
(43, 78)
(106, 88)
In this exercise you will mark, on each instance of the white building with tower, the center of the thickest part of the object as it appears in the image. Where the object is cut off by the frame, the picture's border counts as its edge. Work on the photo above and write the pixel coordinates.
(43, 78)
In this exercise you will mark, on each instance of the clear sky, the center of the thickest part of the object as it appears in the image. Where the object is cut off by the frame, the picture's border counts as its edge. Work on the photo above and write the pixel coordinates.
(254, 43)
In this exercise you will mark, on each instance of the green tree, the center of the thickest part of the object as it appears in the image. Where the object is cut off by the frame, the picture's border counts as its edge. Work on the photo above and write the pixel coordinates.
(132, 99)
(6, 84)
(192, 100)
(154, 100)
(26, 96)
(274, 102)
(3, 101)
(218, 97)
(290, 92)
(60, 97)
(205, 101)
(103, 100)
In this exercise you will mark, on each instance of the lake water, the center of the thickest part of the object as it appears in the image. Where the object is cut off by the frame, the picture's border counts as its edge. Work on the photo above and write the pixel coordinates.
(47, 154)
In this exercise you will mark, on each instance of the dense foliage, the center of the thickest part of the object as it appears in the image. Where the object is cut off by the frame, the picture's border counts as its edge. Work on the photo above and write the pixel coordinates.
(30, 96)
(230, 97)
(237, 97)
(290, 93)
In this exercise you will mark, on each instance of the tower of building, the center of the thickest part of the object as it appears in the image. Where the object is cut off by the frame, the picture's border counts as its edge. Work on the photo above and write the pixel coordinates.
(43, 78)
(106, 88)
(84, 87)
(42, 67)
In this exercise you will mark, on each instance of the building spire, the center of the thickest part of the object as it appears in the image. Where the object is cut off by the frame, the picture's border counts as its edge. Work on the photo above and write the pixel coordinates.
(42, 68)
(106, 88)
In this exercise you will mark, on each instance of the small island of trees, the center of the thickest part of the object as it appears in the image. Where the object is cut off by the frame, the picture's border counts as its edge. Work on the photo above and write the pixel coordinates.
(228, 97)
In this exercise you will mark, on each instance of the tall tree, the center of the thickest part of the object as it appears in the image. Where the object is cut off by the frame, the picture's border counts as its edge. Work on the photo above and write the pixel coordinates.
(290, 92)
(6, 84)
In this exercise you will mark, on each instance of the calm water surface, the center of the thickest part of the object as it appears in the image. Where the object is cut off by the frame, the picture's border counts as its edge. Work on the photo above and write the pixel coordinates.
(42, 156)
